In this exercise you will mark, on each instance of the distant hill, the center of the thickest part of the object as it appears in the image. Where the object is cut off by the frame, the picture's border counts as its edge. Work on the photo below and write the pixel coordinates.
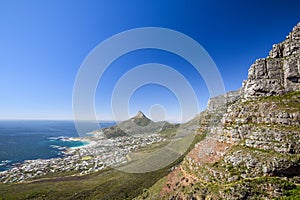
(139, 124)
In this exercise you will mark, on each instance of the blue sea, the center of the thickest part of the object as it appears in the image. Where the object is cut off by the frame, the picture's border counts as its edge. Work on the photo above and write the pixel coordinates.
(28, 139)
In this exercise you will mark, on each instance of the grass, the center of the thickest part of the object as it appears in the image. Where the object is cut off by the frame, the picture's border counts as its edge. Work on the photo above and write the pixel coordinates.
(169, 132)
(142, 121)
(289, 102)
(152, 147)
(158, 157)
(108, 184)
(154, 190)
(256, 188)
(291, 194)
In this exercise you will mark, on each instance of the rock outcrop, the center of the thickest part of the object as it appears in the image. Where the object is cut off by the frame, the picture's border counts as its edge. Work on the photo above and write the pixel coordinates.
(222, 101)
(279, 73)
(140, 115)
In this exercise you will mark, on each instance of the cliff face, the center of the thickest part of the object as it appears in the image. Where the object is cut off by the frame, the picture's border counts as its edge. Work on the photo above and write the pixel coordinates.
(252, 147)
(279, 73)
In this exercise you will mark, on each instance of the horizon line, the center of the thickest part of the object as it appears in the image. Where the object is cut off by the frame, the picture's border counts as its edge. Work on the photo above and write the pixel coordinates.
(110, 120)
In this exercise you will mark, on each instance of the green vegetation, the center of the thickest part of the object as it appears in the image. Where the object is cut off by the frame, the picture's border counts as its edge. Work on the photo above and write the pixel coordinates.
(142, 121)
(291, 194)
(108, 184)
(114, 131)
(169, 130)
(153, 192)
(288, 102)
(260, 187)
(152, 147)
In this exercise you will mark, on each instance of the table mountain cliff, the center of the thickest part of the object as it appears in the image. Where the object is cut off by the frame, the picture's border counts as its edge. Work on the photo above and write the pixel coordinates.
(251, 149)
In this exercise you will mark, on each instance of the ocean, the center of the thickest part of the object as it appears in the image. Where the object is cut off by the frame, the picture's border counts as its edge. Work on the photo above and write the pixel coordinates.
(28, 139)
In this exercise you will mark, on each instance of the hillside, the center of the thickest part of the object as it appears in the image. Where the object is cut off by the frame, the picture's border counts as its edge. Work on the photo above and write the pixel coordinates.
(252, 148)
(139, 124)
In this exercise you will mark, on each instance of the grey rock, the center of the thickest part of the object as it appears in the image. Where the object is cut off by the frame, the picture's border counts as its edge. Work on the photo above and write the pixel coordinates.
(221, 101)
(278, 73)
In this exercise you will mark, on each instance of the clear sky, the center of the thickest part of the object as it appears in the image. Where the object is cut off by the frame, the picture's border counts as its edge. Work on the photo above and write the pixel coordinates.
(43, 43)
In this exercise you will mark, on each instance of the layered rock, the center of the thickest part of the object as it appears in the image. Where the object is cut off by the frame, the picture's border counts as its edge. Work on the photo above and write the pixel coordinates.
(222, 101)
(271, 123)
(279, 73)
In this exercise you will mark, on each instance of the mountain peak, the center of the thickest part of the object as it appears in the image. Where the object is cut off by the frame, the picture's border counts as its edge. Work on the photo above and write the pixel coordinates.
(140, 119)
(140, 115)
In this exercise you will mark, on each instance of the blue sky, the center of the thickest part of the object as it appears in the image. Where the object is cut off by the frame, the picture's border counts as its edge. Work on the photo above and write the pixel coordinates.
(43, 43)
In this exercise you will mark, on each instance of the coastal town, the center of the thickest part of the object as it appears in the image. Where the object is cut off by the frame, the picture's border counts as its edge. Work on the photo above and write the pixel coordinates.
(99, 153)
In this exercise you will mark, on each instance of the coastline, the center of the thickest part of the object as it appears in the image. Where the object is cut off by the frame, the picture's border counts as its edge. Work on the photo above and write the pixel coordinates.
(85, 143)
(97, 154)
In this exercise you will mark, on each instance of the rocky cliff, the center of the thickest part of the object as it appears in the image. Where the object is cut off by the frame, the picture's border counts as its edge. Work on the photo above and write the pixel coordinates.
(252, 148)
(279, 73)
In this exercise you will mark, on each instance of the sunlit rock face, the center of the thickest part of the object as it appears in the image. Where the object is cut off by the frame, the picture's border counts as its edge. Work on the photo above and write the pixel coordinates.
(279, 73)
